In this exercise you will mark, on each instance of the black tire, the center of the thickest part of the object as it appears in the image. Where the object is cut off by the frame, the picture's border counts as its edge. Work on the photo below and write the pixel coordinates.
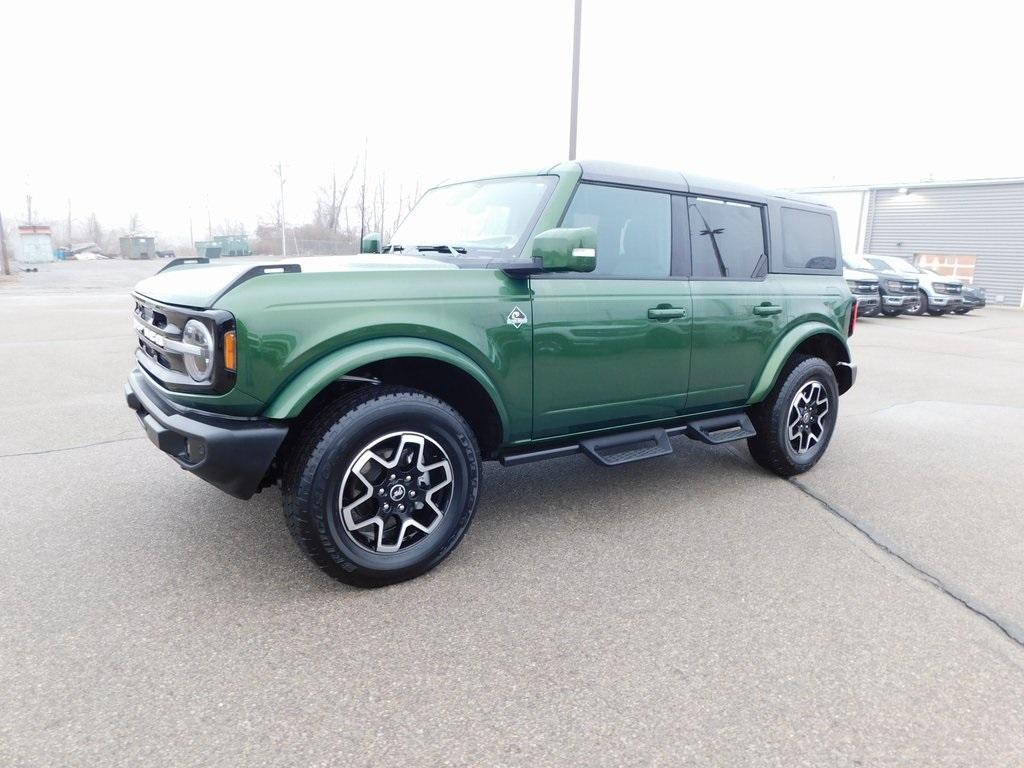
(936, 312)
(962, 310)
(771, 447)
(921, 307)
(325, 456)
(891, 312)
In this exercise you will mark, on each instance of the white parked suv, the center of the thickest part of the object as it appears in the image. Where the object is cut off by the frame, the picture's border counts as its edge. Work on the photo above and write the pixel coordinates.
(938, 293)
(864, 287)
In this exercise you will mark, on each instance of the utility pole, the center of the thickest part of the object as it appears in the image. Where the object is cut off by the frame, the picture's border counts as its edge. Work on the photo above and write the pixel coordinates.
(284, 240)
(28, 206)
(5, 266)
(575, 80)
(362, 195)
(69, 224)
(191, 237)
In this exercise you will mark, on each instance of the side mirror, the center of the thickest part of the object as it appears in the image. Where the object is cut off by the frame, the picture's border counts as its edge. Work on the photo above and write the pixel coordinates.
(566, 250)
(371, 243)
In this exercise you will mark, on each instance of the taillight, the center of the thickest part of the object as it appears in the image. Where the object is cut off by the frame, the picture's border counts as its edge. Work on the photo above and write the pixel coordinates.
(853, 318)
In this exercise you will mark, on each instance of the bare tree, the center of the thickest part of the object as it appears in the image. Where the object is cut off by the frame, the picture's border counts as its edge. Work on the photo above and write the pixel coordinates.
(331, 200)
(380, 202)
(230, 227)
(94, 232)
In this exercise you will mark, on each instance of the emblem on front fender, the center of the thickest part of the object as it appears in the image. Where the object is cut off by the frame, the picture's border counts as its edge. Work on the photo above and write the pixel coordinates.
(516, 318)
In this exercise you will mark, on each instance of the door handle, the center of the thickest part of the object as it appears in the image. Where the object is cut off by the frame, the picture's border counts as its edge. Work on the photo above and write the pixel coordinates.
(763, 310)
(665, 313)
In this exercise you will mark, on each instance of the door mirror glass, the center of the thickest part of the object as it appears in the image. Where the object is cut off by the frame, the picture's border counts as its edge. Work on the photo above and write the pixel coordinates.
(566, 250)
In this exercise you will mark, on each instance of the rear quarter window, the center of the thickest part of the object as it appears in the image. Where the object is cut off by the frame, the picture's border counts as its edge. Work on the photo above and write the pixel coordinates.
(808, 241)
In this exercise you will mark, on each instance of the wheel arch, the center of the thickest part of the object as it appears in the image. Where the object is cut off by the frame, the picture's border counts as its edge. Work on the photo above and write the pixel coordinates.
(430, 366)
(815, 339)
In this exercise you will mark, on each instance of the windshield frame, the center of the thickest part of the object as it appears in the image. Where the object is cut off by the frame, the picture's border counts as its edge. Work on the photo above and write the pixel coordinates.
(476, 254)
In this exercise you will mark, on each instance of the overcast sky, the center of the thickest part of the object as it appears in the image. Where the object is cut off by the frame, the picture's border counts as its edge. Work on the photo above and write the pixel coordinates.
(159, 108)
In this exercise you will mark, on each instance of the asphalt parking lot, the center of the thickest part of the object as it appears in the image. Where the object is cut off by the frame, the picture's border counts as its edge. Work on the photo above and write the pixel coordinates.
(689, 610)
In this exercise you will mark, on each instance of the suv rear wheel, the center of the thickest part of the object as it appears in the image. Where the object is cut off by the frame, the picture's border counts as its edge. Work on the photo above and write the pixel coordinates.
(382, 486)
(795, 422)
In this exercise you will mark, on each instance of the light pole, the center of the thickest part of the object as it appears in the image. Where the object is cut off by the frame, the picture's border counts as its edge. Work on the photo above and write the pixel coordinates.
(284, 240)
(575, 80)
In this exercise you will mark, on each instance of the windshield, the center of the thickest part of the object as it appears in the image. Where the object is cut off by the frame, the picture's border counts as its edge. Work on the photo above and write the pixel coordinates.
(857, 262)
(897, 265)
(489, 217)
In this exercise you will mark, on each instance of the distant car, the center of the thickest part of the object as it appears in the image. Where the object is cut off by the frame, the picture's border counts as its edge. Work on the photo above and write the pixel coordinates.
(974, 298)
(864, 287)
(897, 293)
(937, 294)
(165, 254)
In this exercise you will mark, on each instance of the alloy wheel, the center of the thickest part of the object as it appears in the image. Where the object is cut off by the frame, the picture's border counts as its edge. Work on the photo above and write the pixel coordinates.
(395, 492)
(805, 423)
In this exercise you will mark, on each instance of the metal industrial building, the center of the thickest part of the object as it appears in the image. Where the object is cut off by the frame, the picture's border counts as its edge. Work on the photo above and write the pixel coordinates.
(973, 230)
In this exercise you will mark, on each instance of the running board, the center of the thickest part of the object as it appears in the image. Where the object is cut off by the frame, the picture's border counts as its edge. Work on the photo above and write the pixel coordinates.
(627, 447)
(716, 430)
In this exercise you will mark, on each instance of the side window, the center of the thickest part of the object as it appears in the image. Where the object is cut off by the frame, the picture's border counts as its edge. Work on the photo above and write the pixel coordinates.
(808, 240)
(726, 238)
(634, 229)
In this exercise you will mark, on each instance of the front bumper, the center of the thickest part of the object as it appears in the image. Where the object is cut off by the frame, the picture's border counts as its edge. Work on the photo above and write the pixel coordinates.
(945, 302)
(866, 304)
(231, 454)
(898, 300)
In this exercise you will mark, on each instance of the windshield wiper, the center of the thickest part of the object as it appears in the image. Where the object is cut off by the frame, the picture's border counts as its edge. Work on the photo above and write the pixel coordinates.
(393, 249)
(455, 250)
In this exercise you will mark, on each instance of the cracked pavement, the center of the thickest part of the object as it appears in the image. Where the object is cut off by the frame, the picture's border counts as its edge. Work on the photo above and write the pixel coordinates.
(689, 610)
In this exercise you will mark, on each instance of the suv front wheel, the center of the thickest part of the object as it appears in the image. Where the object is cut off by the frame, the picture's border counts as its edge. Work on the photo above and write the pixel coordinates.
(382, 485)
(920, 306)
(795, 422)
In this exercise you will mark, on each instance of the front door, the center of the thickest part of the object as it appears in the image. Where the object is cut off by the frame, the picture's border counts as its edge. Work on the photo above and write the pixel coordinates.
(613, 347)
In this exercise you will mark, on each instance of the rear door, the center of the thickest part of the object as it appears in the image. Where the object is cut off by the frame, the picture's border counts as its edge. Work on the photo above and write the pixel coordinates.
(739, 309)
(613, 347)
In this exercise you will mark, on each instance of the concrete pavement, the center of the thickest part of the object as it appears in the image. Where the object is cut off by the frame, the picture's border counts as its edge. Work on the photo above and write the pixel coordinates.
(689, 610)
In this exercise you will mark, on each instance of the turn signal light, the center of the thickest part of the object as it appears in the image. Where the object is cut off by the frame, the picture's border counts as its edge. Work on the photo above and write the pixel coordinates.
(229, 350)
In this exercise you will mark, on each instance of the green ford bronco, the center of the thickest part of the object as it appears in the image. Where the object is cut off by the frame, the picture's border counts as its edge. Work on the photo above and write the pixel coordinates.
(590, 308)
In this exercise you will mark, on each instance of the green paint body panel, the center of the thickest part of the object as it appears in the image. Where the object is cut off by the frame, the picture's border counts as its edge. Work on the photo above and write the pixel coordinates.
(336, 321)
(596, 354)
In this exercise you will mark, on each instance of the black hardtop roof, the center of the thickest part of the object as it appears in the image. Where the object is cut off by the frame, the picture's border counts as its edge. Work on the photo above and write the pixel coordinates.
(675, 181)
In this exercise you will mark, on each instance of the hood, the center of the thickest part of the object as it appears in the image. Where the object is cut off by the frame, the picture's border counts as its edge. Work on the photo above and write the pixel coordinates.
(201, 285)
(856, 274)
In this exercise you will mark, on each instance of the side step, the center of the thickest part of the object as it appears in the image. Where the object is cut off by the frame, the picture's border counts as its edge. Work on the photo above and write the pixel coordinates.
(624, 447)
(627, 447)
(721, 429)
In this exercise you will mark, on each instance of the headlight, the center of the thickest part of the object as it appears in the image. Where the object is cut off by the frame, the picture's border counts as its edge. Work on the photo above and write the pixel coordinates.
(892, 285)
(198, 362)
(852, 284)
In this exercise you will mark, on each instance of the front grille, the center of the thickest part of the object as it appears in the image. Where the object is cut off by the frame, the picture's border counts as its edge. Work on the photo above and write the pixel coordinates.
(947, 288)
(155, 325)
(902, 286)
(158, 330)
(861, 288)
